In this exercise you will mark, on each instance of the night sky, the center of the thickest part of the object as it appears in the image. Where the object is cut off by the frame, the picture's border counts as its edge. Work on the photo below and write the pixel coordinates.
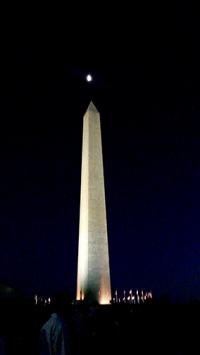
(147, 89)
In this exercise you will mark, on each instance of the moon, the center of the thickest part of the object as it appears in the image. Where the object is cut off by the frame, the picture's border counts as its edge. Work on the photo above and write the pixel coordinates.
(89, 78)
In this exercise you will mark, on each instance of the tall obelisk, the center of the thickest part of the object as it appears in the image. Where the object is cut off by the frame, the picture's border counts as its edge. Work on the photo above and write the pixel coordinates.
(93, 279)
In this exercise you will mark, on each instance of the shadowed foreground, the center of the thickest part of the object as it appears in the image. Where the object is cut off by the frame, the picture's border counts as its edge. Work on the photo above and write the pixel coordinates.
(116, 329)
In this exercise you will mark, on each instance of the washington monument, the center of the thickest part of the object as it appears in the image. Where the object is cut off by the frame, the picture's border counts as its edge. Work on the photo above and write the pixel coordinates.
(93, 279)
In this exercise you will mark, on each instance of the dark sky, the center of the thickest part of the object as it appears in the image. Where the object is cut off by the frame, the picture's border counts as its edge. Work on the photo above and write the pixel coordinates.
(146, 87)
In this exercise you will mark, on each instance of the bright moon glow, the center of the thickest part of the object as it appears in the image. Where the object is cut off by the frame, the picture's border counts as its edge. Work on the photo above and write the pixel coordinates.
(89, 78)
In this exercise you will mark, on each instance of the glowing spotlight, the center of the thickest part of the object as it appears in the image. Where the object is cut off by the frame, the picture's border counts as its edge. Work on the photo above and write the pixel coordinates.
(89, 78)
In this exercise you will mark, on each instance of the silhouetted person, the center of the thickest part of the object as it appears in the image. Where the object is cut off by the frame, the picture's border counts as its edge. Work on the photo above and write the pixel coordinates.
(55, 334)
